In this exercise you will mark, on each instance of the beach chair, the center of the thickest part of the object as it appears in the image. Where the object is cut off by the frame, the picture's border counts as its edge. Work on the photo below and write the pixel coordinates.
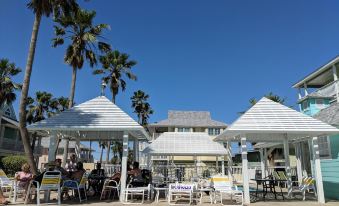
(131, 191)
(182, 190)
(50, 182)
(75, 186)
(307, 184)
(109, 186)
(6, 183)
(224, 186)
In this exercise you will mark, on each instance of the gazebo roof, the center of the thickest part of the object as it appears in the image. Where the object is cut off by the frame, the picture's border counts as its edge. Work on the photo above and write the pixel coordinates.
(271, 121)
(97, 118)
(185, 144)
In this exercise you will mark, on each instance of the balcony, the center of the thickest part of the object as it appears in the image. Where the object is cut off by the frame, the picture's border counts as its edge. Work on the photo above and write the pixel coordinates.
(328, 90)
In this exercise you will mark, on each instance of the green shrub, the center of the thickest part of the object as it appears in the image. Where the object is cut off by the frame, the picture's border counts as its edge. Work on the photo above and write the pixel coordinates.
(12, 164)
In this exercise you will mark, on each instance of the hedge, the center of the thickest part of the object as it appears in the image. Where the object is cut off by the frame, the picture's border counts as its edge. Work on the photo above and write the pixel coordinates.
(12, 164)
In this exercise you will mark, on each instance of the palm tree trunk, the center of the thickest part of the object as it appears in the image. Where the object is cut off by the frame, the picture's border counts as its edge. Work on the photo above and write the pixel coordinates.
(113, 98)
(33, 141)
(108, 151)
(102, 151)
(24, 95)
(70, 105)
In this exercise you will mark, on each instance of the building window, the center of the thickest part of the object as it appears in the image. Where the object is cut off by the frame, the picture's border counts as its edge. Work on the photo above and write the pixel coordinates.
(183, 129)
(319, 103)
(324, 147)
(305, 105)
(10, 133)
(213, 131)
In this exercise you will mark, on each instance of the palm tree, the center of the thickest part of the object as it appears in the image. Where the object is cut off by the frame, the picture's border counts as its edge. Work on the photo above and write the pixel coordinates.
(103, 146)
(7, 85)
(114, 66)
(40, 8)
(271, 96)
(141, 107)
(83, 36)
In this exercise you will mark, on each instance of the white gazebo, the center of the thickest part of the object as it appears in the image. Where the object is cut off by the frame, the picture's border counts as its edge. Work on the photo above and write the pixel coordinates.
(268, 121)
(96, 119)
(186, 144)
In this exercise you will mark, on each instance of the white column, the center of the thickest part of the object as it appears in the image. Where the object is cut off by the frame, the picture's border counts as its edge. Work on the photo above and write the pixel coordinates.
(317, 168)
(136, 150)
(65, 154)
(265, 162)
(305, 89)
(53, 143)
(223, 165)
(217, 164)
(245, 178)
(195, 166)
(335, 78)
(124, 165)
(299, 165)
(288, 166)
(229, 161)
(262, 163)
(77, 148)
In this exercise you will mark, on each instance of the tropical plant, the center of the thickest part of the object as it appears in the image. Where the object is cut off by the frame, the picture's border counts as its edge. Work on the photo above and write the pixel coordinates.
(7, 86)
(83, 36)
(141, 107)
(115, 66)
(117, 150)
(102, 145)
(12, 164)
(271, 96)
(40, 8)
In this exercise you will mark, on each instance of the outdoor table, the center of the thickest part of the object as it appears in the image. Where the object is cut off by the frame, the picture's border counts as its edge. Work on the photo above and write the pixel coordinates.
(268, 187)
(158, 190)
(210, 190)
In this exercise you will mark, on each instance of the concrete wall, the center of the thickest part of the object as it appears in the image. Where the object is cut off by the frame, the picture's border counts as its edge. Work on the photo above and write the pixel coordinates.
(330, 172)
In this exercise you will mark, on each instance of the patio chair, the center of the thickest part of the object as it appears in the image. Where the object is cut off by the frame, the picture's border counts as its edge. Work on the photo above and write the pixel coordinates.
(5, 182)
(17, 189)
(109, 186)
(205, 186)
(75, 186)
(307, 184)
(180, 190)
(131, 191)
(50, 182)
(223, 185)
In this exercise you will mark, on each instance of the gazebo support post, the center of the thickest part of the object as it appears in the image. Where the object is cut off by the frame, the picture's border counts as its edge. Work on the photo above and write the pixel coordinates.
(299, 164)
(317, 168)
(223, 165)
(124, 165)
(136, 150)
(229, 161)
(53, 143)
(245, 178)
(265, 162)
(195, 165)
(262, 163)
(287, 166)
(65, 154)
(77, 148)
(216, 164)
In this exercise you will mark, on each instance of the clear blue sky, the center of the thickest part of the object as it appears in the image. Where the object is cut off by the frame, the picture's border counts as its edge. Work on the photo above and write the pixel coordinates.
(192, 55)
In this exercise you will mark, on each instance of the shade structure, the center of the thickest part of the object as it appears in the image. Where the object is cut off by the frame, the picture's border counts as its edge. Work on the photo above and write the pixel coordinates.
(95, 119)
(270, 121)
(185, 144)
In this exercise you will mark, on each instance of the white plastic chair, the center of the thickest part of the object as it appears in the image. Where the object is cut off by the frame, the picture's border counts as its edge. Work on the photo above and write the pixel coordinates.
(50, 182)
(17, 189)
(109, 186)
(138, 191)
(5, 182)
(74, 185)
(180, 190)
(223, 185)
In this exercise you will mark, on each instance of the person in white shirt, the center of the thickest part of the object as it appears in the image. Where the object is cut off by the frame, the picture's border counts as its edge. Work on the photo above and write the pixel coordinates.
(71, 165)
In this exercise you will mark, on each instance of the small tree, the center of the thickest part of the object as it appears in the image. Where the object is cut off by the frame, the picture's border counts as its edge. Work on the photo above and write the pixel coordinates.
(12, 164)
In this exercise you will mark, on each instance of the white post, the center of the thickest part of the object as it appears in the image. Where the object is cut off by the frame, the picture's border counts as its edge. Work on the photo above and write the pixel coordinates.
(195, 166)
(262, 163)
(317, 168)
(299, 165)
(77, 148)
(124, 165)
(288, 166)
(53, 143)
(223, 165)
(265, 162)
(65, 154)
(305, 89)
(335, 78)
(217, 164)
(229, 161)
(136, 150)
(245, 178)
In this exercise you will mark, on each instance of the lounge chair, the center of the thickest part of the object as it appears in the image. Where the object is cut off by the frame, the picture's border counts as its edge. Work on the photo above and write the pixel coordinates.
(75, 186)
(181, 190)
(109, 186)
(131, 191)
(224, 186)
(307, 184)
(5, 182)
(50, 182)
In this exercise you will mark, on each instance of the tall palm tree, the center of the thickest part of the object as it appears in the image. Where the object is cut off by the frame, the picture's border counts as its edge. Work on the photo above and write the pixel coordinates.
(141, 107)
(115, 66)
(271, 96)
(103, 146)
(83, 36)
(40, 8)
(7, 86)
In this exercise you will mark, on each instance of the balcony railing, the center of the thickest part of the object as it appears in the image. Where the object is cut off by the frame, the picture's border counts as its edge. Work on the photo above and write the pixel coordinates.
(328, 90)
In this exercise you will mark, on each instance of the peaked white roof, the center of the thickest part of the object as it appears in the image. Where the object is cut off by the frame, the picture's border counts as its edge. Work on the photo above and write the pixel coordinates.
(271, 121)
(96, 118)
(185, 144)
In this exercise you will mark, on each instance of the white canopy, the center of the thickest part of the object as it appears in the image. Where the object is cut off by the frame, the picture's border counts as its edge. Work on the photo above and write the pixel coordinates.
(270, 121)
(185, 144)
(95, 119)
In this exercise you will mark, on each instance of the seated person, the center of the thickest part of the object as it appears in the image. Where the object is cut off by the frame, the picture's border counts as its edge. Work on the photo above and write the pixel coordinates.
(3, 200)
(24, 177)
(71, 164)
(64, 173)
(97, 178)
(75, 176)
(136, 175)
